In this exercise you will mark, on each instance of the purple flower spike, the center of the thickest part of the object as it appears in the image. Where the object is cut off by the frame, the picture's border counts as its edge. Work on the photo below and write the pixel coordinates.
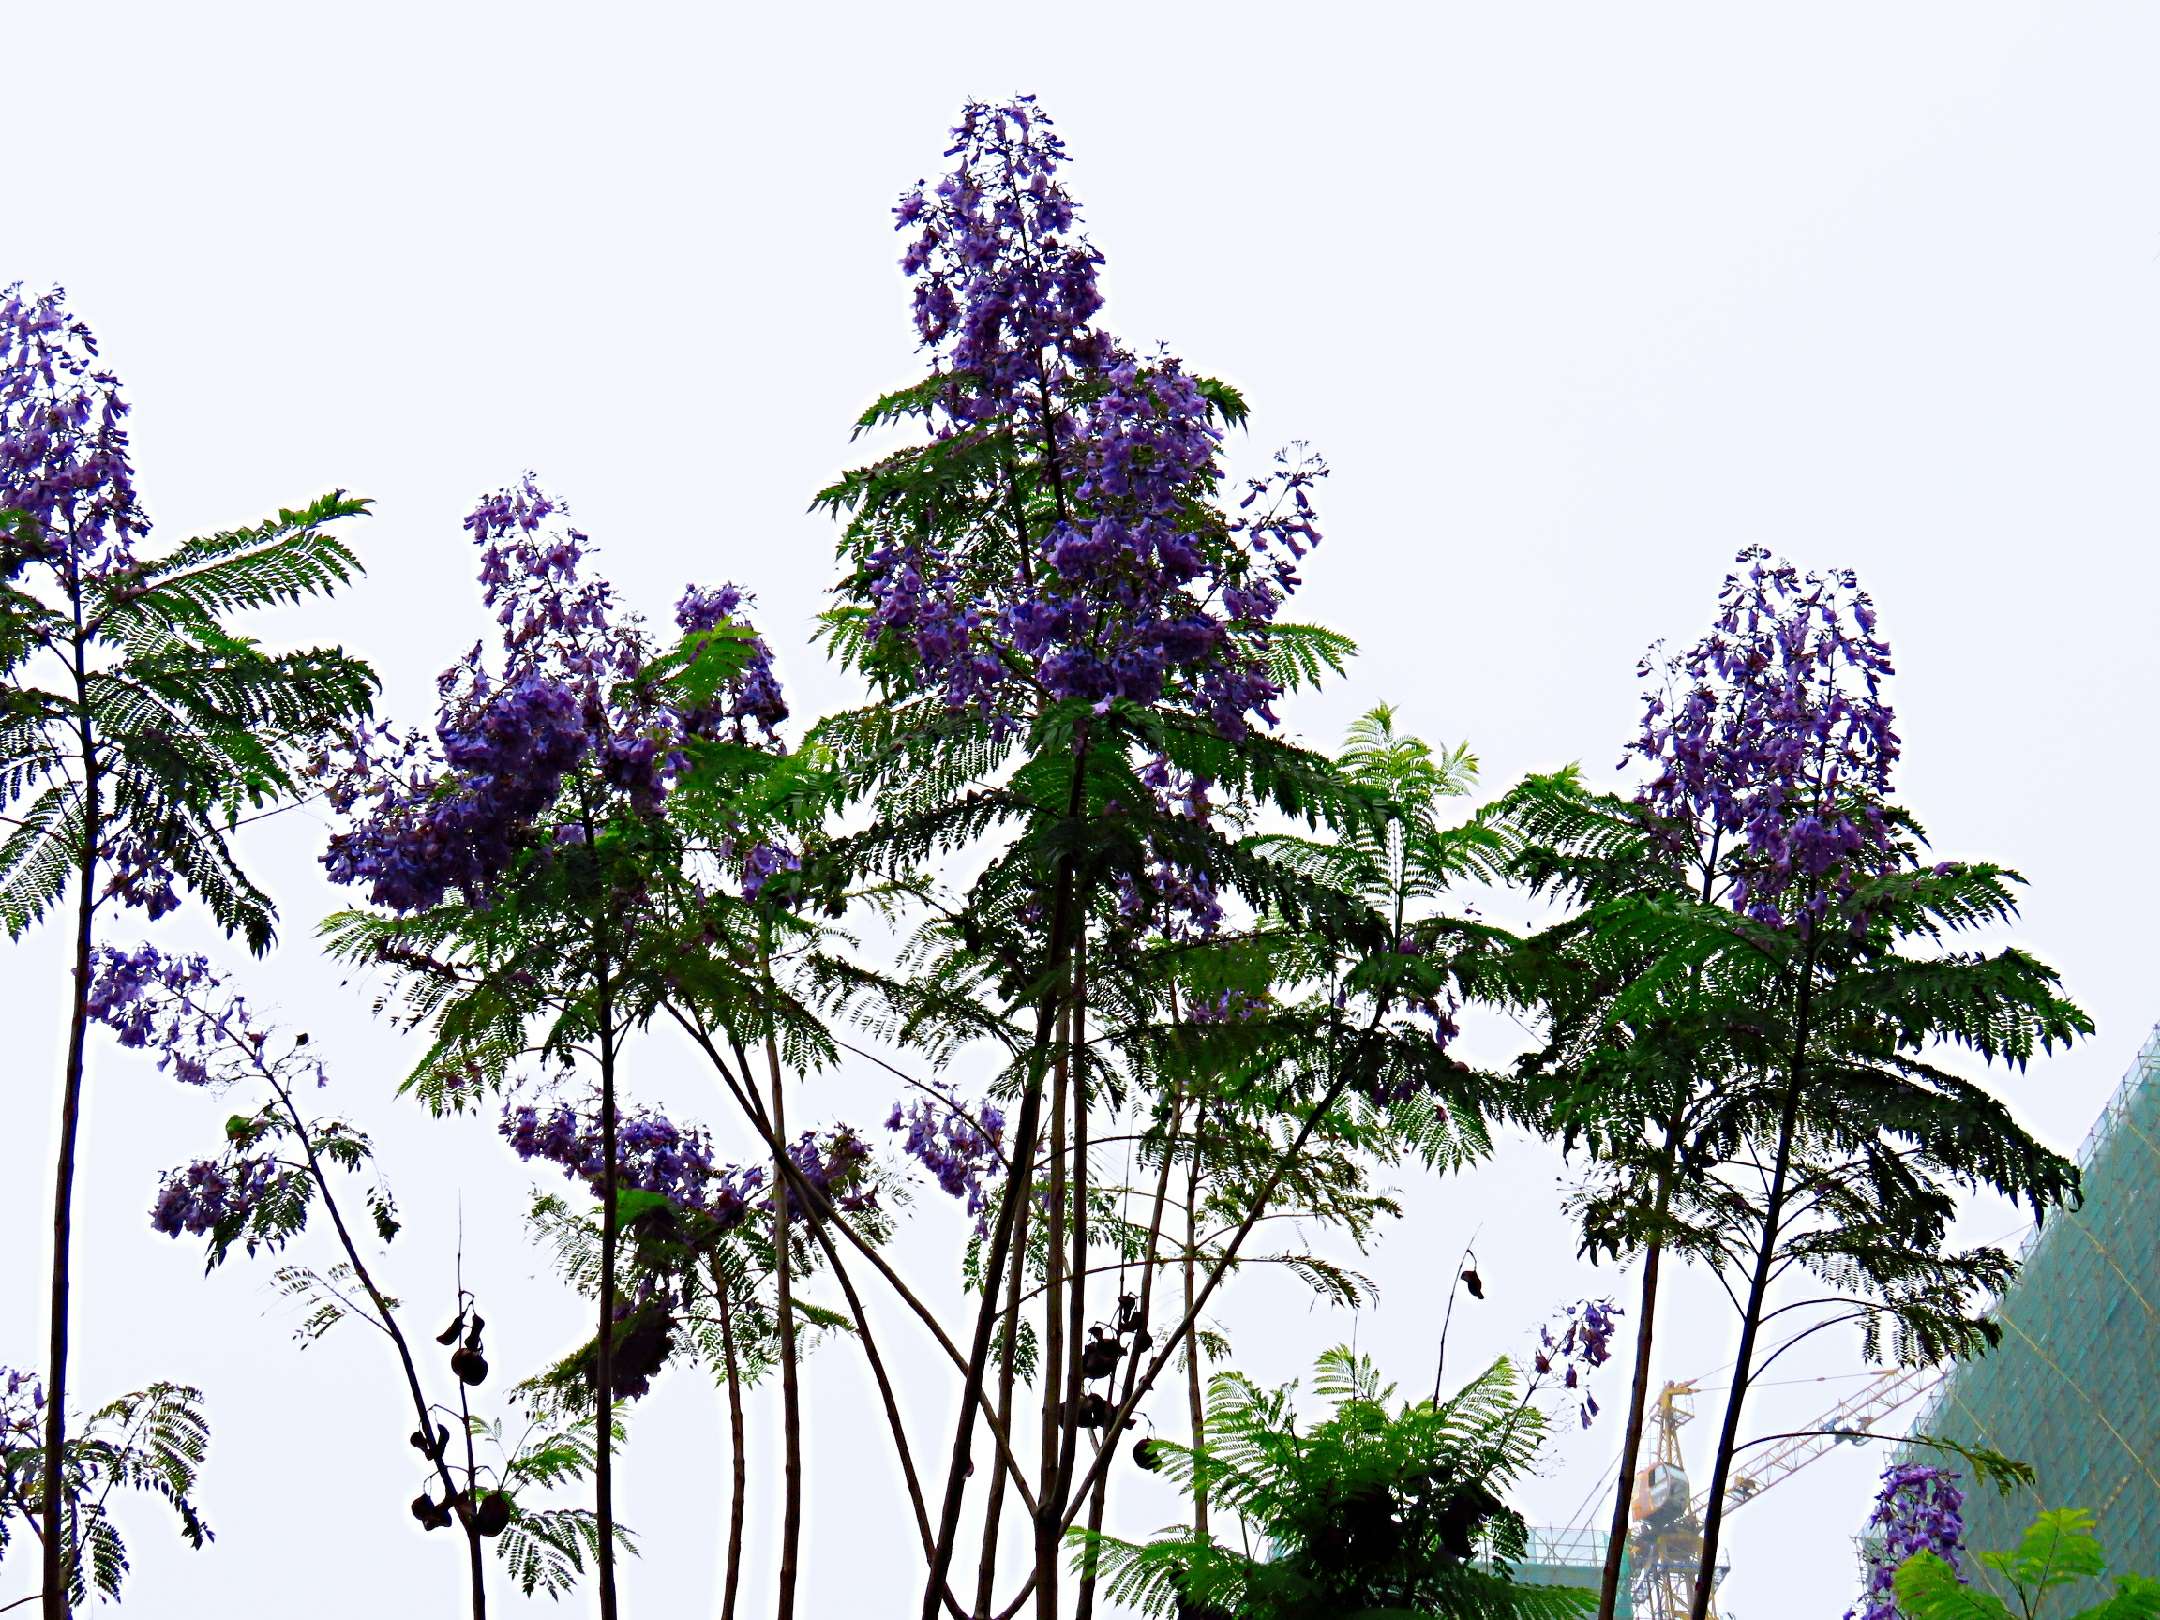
(1772, 742)
(1918, 1509)
(63, 438)
(961, 1147)
(429, 820)
(1139, 592)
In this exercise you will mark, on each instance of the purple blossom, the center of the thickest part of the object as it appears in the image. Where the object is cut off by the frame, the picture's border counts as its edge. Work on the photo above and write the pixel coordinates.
(1137, 591)
(1231, 1007)
(138, 876)
(1174, 896)
(22, 1408)
(763, 863)
(654, 1154)
(961, 1147)
(168, 1003)
(199, 1196)
(1581, 1345)
(427, 820)
(1918, 1509)
(503, 766)
(753, 698)
(1772, 743)
(63, 438)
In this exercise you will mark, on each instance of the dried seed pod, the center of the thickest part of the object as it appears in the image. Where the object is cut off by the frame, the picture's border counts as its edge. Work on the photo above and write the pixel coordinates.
(433, 1515)
(492, 1515)
(1145, 1454)
(472, 1336)
(1141, 1340)
(1473, 1282)
(470, 1366)
(430, 1448)
(1100, 1358)
(449, 1335)
(1128, 1312)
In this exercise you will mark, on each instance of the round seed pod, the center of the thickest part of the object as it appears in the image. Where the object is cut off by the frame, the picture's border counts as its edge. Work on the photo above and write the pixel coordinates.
(470, 1366)
(493, 1514)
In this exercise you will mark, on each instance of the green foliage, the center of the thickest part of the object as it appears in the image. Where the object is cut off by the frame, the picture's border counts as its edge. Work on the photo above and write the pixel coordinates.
(1367, 1513)
(154, 723)
(2059, 1550)
(152, 1442)
(1673, 1028)
(158, 724)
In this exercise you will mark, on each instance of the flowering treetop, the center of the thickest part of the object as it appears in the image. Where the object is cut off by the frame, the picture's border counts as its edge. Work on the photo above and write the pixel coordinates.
(1773, 743)
(1096, 567)
(566, 691)
(63, 437)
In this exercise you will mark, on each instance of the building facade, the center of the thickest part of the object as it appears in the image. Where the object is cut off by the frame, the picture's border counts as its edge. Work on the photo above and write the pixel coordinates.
(2074, 1388)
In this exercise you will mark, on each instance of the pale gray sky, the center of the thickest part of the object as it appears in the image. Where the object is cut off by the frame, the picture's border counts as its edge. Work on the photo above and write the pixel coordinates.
(1576, 299)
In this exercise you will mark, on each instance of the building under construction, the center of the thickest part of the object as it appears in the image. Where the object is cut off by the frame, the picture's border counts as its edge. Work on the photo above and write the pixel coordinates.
(2074, 1388)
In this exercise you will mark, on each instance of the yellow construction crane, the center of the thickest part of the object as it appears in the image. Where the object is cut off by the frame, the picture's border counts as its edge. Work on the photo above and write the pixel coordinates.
(1665, 1543)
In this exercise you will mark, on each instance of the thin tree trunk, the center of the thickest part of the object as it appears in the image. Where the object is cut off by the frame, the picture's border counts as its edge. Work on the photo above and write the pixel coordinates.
(738, 1475)
(469, 1503)
(1051, 1365)
(1053, 1505)
(58, 1530)
(1631, 1446)
(1751, 1318)
(1194, 1400)
(1185, 1326)
(604, 1394)
(790, 1386)
(994, 1509)
(827, 1219)
(1098, 1498)
(1001, 1240)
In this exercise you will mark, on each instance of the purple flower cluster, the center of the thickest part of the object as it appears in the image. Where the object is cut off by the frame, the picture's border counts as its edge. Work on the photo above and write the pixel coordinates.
(197, 1197)
(1772, 742)
(837, 1167)
(1231, 1007)
(506, 761)
(429, 820)
(63, 437)
(653, 1154)
(151, 999)
(761, 864)
(1173, 897)
(137, 876)
(22, 1406)
(753, 698)
(1139, 590)
(1919, 1509)
(961, 1147)
(1583, 1344)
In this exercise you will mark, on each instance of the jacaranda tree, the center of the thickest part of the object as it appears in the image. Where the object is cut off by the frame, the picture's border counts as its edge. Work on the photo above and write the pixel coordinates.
(137, 725)
(1836, 1135)
(517, 860)
(1076, 644)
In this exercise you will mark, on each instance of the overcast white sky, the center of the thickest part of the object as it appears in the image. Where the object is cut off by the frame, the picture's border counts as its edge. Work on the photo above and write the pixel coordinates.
(1576, 299)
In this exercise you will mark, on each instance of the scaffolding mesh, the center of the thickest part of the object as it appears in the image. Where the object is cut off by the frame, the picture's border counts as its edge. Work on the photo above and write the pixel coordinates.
(2074, 1388)
(1574, 1557)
